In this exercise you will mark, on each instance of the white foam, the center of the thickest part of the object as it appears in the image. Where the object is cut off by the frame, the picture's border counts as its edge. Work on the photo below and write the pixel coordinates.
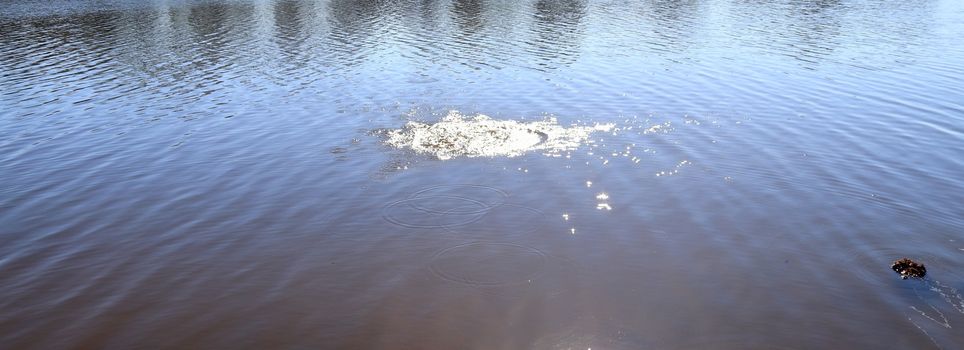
(457, 135)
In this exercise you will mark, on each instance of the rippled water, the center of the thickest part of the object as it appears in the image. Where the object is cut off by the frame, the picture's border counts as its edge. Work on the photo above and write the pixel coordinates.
(214, 174)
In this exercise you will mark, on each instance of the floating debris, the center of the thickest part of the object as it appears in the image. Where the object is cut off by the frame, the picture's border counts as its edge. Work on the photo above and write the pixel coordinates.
(908, 268)
(481, 136)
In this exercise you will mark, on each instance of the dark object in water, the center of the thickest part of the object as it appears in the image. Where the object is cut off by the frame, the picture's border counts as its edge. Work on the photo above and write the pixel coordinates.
(908, 268)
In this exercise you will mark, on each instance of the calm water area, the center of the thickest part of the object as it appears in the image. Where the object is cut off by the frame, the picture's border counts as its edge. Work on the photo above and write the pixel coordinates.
(215, 175)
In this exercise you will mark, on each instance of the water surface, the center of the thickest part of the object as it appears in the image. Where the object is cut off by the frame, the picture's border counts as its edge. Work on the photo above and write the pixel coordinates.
(213, 174)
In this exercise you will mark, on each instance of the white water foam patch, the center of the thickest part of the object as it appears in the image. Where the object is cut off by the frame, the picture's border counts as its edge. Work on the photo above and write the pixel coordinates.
(457, 135)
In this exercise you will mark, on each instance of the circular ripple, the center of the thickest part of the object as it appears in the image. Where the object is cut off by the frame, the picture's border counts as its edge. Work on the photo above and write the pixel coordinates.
(489, 264)
(506, 218)
(405, 214)
(491, 196)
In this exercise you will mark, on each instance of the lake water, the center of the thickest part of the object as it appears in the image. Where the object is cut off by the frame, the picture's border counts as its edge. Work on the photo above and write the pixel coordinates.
(216, 174)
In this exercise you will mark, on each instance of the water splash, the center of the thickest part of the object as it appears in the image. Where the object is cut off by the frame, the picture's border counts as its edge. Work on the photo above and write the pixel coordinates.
(457, 135)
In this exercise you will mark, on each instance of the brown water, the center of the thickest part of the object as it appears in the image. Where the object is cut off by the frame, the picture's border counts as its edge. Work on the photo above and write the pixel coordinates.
(213, 174)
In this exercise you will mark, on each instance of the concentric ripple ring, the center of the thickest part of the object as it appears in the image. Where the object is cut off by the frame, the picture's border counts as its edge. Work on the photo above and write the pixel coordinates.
(472, 217)
(536, 219)
(489, 264)
(489, 205)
